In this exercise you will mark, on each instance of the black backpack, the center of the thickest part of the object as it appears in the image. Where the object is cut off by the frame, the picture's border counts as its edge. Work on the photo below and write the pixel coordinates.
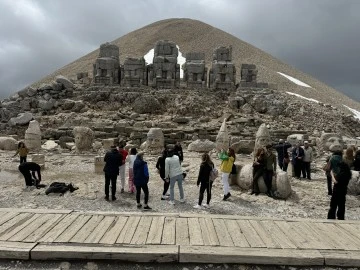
(344, 175)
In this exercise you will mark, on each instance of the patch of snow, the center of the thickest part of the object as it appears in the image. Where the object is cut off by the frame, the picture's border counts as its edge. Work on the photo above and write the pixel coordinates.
(300, 96)
(149, 57)
(355, 112)
(294, 80)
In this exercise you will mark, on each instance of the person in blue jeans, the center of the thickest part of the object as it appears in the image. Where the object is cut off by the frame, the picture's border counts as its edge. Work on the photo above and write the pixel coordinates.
(141, 179)
(174, 172)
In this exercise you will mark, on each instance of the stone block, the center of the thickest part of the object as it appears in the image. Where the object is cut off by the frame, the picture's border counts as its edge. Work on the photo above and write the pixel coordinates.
(39, 159)
(99, 164)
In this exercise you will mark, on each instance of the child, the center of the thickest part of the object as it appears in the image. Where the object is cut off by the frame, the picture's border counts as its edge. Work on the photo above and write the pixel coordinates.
(204, 180)
(22, 151)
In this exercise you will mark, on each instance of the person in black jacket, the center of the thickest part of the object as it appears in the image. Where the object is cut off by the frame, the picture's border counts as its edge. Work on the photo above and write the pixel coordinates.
(141, 179)
(113, 161)
(204, 180)
(160, 166)
(282, 154)
(297, 159)
(357, 161)
(178, 151)
(28, 170)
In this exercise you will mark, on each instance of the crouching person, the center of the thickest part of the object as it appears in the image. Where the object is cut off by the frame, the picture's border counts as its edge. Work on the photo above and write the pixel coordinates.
(28, 170)
(141, 179)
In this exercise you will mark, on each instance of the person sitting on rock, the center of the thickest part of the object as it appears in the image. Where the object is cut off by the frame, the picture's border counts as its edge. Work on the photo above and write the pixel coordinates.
(141, 179)
(23, 151)
(282, 154)
(28, 170)
(227, 162)
(270, 169)
(258, 170)
(113, 161)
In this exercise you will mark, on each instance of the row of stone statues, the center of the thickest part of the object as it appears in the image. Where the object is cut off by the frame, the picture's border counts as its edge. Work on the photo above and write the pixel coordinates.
(164, 72)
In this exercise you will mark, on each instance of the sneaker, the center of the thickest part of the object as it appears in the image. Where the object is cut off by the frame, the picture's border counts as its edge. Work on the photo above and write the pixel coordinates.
(206, 205)
(172, 202)
(163, 198)
(122, 190)
(147, 207)
(182, 200)
(139, 206)
(197, 206)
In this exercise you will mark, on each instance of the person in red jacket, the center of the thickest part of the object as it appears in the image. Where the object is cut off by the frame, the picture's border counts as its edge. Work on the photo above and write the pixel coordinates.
(122, 168)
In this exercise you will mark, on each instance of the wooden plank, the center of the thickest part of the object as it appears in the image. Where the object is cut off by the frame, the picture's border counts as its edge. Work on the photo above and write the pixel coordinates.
(208, 232)
(322, 230)
(15, 250)
(150, 253)
(351, 229)
(222, 233)
(36, 210)
(29, 228)
(353, 243)
(72, 229)
(182, 231)
(250, 234)
(265, 236)
(59, 228)
(127, 233)
(114, 230)
(297, 239)
(277, 234)
(142, 231)
(341, 258)
(16, 221)
(19, 226)
(168, 236)
(39, 232)
(100, 230)
(237, 237)
(320, 236)
(257, 256)
(195, 232)
(86, 230)
(156, 230)
(4, 217)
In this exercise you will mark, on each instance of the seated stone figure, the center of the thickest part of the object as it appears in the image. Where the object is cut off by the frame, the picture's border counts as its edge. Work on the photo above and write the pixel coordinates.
(223, 72)
(330, 142)
(134, 72)
(195, 72)
(164, 71)
(106, 69)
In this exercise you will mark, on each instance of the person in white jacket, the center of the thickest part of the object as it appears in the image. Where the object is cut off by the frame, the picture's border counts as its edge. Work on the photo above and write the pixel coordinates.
(130, 160)
(174, 172)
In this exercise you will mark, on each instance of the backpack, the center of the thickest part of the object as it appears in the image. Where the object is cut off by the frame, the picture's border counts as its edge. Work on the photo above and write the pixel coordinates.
(214, 173)
(344, 175)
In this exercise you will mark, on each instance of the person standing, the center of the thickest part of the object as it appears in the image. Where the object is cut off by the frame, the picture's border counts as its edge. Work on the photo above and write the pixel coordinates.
(23, 151)
(113, 160)
(349, 157)
(28, 170)
(297, 158)
(124, 154)
(227, 161)
(160, 166)
(174, 172)
(141, 179)
(130, 160)
(308, 158)
(270, 169)
(282, 154)
(206, 167)
(179, 151)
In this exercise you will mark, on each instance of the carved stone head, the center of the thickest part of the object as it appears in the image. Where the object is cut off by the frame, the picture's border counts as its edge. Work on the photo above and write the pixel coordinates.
(262, 137)
(331, 142)
(222, 138)
(155, 139)
(84, 138)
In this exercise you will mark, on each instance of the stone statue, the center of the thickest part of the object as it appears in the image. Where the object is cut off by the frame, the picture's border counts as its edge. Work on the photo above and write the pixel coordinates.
(222, 138)
(134, 72)
(155, 141)
(107, 66)
(195, 72)
(33, 136)
(164, 72)
(84, 138)
(248, 75)
(262, 137)
(294, 139)
(223, 72)
(330, 142)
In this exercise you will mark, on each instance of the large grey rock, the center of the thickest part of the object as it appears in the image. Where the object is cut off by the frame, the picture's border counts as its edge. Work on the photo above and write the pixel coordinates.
(21, 119)
(243, 146)
(46, 105)
(5, 115)
(8, 143)
(64, 81)
(146, 104)
(201, 146)
(68, 104)
(63, 140)
(283, 186)
(79, 106)
(31, 91)
(354, 183)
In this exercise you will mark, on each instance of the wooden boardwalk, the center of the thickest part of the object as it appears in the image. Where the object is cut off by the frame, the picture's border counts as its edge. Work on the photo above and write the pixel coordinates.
(155, 237)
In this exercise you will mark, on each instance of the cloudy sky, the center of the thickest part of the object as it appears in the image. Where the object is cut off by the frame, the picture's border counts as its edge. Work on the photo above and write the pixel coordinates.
(319, 37)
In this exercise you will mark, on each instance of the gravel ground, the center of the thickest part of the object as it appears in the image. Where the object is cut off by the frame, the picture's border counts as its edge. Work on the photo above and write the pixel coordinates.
(309, 198)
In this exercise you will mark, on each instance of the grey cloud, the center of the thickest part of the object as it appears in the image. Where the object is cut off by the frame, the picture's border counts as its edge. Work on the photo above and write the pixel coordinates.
(317, 37)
